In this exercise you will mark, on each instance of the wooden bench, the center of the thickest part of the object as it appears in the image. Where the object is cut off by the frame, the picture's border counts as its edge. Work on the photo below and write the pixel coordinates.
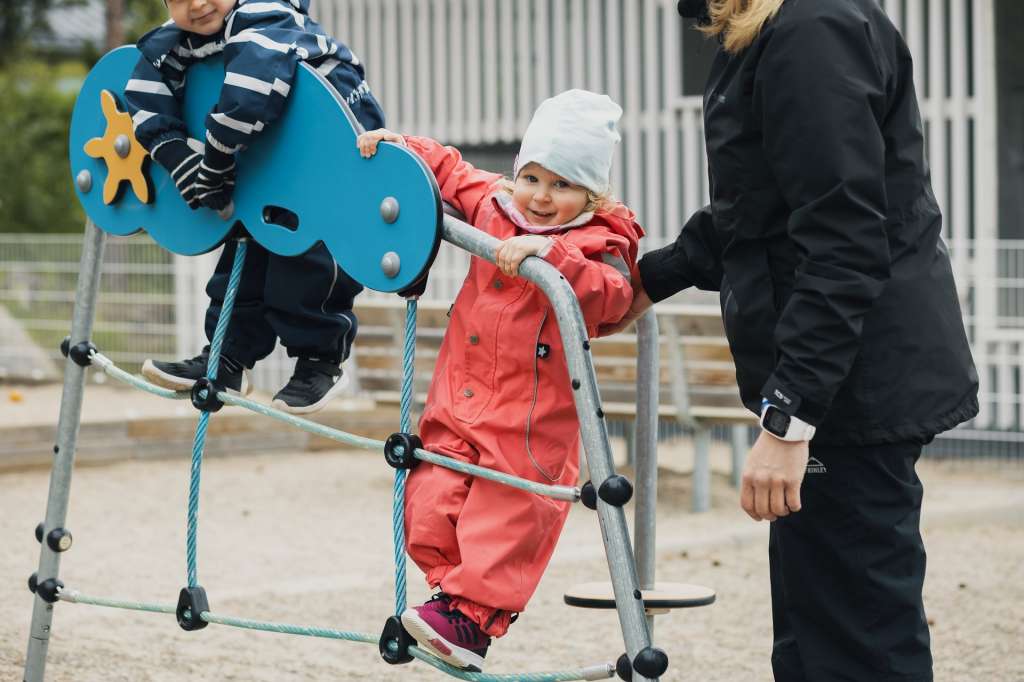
(697, 375)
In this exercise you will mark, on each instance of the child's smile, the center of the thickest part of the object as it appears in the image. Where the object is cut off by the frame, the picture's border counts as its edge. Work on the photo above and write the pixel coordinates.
(546, 198)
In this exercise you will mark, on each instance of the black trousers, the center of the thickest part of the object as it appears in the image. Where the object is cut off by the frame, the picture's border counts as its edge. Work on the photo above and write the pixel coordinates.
(848, 569)
(306, 301)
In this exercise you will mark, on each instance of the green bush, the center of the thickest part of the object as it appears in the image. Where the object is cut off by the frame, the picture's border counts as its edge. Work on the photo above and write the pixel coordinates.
(36, 193)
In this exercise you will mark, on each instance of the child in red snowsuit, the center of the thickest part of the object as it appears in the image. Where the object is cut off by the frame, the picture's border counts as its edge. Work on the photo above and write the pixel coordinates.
(500, 395)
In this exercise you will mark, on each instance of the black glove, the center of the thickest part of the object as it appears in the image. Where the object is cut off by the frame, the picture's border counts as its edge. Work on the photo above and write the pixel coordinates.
(182, 161)
(216, 182)
(416, 289)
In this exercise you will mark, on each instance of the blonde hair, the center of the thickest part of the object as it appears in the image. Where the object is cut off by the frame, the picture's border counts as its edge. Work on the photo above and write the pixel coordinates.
(595, 201)
(738, 22)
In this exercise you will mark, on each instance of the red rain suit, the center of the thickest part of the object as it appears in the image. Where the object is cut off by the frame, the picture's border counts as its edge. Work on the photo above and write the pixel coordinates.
(501, 398)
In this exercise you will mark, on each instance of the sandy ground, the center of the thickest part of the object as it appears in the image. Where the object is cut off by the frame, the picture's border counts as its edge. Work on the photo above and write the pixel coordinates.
(305, 538)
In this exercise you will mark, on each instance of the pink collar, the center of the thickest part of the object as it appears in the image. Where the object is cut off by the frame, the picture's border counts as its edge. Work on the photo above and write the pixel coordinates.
(520, 221)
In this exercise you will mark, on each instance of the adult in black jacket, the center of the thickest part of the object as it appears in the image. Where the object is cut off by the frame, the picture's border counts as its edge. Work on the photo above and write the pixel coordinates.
(823, 239)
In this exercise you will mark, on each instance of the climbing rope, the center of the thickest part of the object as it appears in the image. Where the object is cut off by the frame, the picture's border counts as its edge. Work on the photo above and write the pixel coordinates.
(557, 492)
(594, 672)
(602, 671)
(405, 420)
(199, 443)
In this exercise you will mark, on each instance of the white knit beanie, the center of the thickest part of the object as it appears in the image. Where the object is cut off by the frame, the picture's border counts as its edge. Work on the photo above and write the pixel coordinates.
(573, 134)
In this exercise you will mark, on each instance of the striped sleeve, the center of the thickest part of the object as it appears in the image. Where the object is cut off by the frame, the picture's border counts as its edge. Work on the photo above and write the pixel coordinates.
(153, 93)
(265, 41)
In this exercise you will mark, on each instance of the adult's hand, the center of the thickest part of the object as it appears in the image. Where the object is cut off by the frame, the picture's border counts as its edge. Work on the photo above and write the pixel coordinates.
(640, 305)
(772, 476)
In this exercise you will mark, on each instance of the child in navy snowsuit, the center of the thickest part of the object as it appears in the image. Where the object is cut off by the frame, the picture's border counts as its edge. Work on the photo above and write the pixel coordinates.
(306, 300)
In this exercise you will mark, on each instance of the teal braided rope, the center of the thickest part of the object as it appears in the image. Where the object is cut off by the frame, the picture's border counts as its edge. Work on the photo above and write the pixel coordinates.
(76, 597)
(107, 365)
(289, 629)
(301, 423)
(592, 673)
(212, 365)
(558, 492)
(398, 501)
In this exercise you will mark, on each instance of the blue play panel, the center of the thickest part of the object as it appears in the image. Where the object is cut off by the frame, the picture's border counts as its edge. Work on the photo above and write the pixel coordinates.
(380, 218)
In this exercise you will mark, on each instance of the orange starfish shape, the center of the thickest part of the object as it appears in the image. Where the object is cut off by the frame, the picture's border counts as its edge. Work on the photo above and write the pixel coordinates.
(120, 150)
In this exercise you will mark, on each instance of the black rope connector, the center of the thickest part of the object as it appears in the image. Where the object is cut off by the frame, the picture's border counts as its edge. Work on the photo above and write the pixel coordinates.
(65, 346)
(400, 450)
(651, 662)
(204, 395)
(33, 582)
(623, 668)
(192, 602)
(48, 590)
(81, 353)
(616, 490)
(59, 540)
(394, 642)
(588, 495)
(39, 531)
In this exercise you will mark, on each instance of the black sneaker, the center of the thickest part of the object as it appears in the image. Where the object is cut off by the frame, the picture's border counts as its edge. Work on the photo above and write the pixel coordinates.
(181, 376)
(314, 383)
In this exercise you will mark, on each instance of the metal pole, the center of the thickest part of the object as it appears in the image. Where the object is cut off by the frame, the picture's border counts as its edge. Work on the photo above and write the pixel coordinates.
(614, 531)
(702, 469)
(740, 445)
(647, 387)
(64, 450)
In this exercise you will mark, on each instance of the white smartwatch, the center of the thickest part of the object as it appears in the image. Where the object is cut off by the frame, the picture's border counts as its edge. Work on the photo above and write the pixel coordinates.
(783, 426)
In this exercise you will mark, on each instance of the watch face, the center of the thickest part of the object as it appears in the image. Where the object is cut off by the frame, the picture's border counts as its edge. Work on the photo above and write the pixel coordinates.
(776, 421)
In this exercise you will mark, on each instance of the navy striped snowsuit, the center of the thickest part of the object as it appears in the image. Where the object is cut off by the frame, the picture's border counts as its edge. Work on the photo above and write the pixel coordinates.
(306, 300)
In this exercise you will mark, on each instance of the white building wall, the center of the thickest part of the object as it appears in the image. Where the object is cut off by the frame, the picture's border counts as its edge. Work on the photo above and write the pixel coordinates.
(470, 73)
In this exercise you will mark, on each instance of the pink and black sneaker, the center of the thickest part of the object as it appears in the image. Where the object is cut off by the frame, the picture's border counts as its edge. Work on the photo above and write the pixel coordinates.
(447, 633)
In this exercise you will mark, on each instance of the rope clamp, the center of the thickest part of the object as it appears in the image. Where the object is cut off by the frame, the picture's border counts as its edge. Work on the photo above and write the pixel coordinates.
(81, 353)
(616, 491)
(192, 602)
(649, 662)
(400, 450)
(204, 395)
(394, 642)
(48, 590)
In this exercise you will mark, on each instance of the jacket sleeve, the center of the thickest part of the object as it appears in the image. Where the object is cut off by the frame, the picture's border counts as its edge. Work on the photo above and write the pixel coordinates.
(694, 259)
(463, 186)
(154, 92)
(596, 263)
(819, 92)
(264, 43)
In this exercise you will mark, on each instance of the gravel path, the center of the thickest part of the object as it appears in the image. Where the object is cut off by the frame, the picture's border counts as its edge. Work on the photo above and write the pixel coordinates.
(305, 538)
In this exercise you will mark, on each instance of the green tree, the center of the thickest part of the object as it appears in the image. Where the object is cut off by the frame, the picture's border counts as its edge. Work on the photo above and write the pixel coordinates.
(36, 194)
(21, 20)
(140, 16)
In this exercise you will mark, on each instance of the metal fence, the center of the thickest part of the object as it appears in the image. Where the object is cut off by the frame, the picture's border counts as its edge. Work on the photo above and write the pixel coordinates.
(152, 305)
(135, 317)
(470, 72)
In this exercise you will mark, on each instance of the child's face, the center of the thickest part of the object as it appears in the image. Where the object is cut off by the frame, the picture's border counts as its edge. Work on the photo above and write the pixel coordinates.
(204, 17)
(546, 198)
